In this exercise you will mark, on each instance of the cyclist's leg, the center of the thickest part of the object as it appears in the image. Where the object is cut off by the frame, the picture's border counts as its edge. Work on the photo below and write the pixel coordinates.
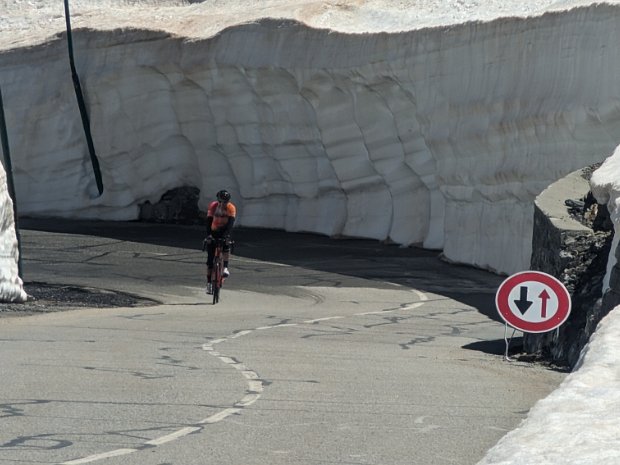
(226, 257)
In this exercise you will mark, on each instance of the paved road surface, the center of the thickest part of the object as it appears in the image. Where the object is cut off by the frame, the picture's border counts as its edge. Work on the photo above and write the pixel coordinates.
(320, 352)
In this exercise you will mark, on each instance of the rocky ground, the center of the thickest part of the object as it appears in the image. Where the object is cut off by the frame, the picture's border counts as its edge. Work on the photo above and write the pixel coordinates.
(45, 298)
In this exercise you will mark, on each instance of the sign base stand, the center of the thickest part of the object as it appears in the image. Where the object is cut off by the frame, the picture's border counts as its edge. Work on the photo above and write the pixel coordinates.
(507, 341)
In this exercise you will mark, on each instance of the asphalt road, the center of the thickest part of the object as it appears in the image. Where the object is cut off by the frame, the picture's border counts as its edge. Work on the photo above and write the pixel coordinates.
(320, 352)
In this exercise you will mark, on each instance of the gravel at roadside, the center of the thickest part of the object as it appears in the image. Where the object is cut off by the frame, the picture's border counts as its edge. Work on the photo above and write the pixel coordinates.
(45, 298)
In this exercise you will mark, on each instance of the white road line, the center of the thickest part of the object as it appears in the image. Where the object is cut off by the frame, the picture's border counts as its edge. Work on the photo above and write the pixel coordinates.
(219, 416)
(412, 306)
(240, 333)
(262, 262)
(260, 328)
(255, 386)
(105, 455)
(316, 320)
(172, 436)
(248, 399)
(379, 312)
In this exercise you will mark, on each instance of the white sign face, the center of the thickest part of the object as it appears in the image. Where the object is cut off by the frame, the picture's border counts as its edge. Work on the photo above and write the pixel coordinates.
(536, 299)
(533, 302)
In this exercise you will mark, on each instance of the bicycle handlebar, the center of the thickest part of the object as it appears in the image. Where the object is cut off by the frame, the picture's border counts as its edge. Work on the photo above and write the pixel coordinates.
(219, 241)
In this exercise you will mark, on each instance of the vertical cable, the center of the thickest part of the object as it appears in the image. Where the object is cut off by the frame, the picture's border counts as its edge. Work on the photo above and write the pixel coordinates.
(81, 104)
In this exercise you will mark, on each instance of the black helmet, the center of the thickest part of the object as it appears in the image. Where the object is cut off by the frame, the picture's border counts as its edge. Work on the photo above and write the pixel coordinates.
(223, 195)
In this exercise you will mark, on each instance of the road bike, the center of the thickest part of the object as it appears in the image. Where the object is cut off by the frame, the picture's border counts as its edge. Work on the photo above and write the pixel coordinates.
(217, 273)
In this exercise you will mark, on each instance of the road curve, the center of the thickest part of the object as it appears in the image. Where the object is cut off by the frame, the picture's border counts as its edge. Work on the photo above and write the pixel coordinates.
(321, 351)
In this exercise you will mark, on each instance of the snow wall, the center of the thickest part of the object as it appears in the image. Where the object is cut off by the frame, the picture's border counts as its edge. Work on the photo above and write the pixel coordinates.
(441, 136)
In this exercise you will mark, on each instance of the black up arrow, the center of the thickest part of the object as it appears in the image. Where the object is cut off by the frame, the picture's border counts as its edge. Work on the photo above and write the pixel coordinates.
(523, 303)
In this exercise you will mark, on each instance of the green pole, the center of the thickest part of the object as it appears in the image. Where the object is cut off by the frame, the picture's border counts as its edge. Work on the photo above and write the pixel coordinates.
(9, 181)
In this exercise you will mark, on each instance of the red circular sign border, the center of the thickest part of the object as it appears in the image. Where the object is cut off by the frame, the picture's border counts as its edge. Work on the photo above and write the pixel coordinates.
(564, 302)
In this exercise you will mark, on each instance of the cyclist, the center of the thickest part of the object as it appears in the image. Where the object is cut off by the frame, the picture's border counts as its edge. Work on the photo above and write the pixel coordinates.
(220, 220)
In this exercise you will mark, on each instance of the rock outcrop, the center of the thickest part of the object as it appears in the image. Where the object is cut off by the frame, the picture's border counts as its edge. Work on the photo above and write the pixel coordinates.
(572, 240)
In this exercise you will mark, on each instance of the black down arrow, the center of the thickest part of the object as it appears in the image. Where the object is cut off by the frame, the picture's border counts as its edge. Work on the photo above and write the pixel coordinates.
(523, 303)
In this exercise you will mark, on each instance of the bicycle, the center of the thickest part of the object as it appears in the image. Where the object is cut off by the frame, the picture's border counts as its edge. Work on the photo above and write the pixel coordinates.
(217, 278)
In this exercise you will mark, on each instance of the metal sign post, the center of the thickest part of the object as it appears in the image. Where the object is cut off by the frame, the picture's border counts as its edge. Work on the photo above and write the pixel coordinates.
(532, 302)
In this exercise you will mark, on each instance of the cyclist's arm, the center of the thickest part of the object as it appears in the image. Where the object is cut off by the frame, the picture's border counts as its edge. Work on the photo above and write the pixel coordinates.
(228, 227)
(209, 223)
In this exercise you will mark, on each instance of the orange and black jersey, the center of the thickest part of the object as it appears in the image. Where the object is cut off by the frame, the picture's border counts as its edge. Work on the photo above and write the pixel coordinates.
(219, 216)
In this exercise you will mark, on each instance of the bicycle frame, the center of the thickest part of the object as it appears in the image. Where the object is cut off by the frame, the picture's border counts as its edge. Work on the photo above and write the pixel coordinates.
(217, 278)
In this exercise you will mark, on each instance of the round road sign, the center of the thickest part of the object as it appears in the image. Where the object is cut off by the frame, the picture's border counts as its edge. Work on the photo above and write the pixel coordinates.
(533, 302)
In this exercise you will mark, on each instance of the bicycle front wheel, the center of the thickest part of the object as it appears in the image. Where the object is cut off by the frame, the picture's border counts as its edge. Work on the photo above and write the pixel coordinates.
(216, 295)
(217, 282)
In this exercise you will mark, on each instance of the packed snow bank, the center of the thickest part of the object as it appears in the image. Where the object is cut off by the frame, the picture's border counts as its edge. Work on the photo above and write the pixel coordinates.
(605, 185)
(578, 423)
(441, 136)
(11, 286)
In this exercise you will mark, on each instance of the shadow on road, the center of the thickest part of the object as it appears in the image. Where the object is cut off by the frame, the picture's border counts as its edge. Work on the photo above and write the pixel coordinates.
(361, 258)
